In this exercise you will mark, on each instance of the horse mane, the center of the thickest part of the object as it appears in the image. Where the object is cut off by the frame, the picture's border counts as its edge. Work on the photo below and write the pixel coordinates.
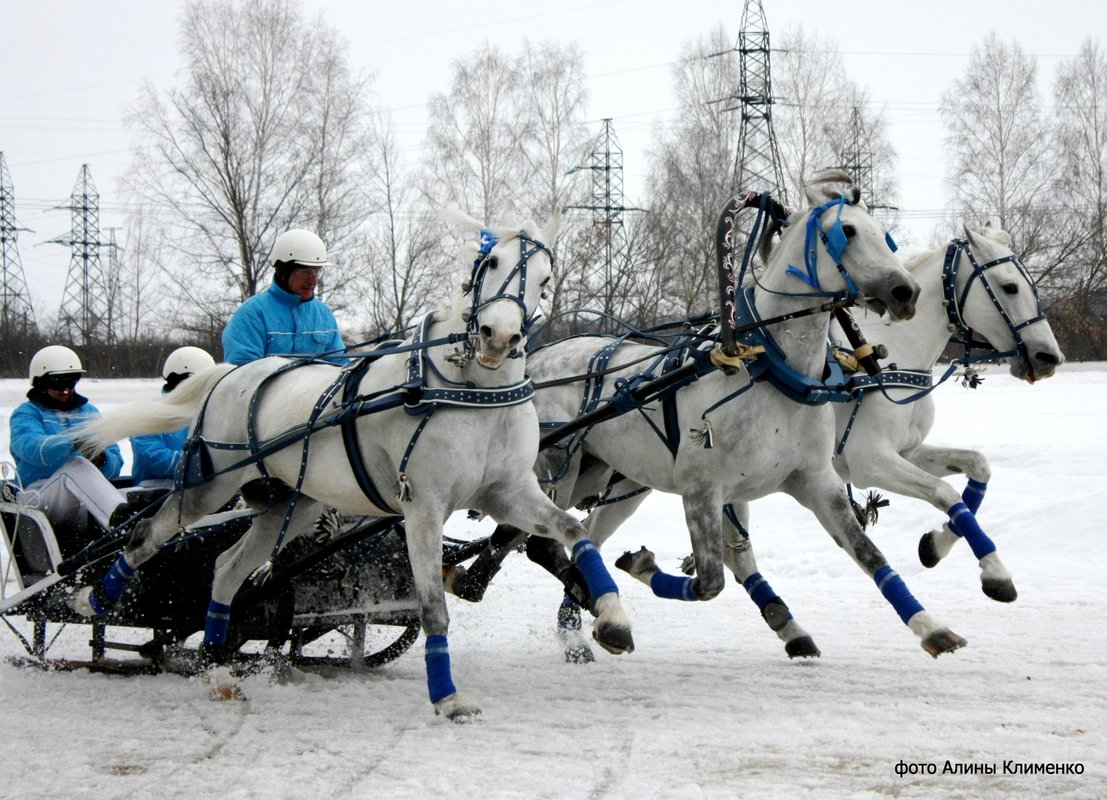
(989, 231)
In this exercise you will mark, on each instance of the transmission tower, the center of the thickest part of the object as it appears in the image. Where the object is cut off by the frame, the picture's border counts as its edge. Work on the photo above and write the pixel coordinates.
(84, 306)
(17, 316)
(757, 165)
(857, 159)
(607, 210)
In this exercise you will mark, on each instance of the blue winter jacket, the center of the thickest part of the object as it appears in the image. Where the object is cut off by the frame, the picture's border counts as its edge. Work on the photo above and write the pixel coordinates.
(40, 444)
(156, 455)
(277, 322)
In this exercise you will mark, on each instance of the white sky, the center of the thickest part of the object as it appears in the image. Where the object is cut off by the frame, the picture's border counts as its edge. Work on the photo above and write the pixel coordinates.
(70, 68)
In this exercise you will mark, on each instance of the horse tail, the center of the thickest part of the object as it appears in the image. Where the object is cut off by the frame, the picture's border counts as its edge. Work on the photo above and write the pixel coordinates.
(170, 412)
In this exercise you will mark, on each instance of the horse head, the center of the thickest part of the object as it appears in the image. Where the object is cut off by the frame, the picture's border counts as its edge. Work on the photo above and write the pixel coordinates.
(512, 265)
(991, 294)
(839, 230)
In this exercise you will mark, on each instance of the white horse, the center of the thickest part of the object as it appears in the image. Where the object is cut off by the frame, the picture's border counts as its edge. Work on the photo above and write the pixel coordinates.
(976, 287)
(751, 438)
(441, 423)
(973, 287)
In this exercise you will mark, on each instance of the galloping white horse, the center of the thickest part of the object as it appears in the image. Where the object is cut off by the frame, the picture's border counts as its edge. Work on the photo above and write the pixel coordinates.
(441, 423)
(974, 287)
(752, 437)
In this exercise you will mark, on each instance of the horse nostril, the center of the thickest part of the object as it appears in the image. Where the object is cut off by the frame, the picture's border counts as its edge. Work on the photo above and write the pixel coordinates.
(485, 332)
(903, 293)
(1045, 357)
(515, 340)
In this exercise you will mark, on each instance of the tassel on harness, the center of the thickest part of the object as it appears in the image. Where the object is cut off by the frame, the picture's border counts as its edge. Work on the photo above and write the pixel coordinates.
(705, 434)
(404, 490)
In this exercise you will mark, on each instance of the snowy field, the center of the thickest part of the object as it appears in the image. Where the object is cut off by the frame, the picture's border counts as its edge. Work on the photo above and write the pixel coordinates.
(708, 706)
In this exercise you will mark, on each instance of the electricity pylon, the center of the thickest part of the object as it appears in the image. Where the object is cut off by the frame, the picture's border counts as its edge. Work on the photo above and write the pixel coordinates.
(757, 164)
(17, 316)
(84, 306)
(607, 211)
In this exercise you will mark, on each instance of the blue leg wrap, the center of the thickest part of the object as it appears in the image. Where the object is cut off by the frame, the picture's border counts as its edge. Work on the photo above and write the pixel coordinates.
(97, 605)
(672, 587)
(599, 580)
(120, 574)
(964, 524)
(216, 624)
(437, 655)
(760, 591)
(895, 591)
(974, 494)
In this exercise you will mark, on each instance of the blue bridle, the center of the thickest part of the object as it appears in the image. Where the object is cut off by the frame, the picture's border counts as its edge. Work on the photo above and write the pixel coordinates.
(835, 240)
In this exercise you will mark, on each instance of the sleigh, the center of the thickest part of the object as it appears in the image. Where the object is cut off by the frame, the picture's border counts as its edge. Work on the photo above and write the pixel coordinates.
(341, 596)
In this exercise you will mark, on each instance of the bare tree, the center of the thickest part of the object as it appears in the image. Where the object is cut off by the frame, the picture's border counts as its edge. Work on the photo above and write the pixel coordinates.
(813, 105)
(1078, 278)
(256, 140)
(999, 144)
(404, 263)
(689, 179)
(476, 136)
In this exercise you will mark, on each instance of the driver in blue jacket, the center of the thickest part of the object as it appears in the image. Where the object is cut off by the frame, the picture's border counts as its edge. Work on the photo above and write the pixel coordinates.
(287, 318)
(55, 475)
(156, 455)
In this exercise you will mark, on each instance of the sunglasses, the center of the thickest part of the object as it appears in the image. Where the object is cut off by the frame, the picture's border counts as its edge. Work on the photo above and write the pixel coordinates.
(61, 382)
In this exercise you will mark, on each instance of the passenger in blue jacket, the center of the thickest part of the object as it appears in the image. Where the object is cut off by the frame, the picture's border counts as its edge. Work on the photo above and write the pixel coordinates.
(156, 455)
(54, 474)
(286, 319)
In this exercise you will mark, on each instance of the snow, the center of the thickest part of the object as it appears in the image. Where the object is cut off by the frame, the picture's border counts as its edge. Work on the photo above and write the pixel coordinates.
(708, 706)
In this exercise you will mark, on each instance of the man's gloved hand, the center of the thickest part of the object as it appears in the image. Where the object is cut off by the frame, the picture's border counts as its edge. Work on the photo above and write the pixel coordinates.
(86, 449)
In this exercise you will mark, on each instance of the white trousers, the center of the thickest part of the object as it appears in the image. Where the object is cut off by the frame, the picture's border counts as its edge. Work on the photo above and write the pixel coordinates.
(77, 487)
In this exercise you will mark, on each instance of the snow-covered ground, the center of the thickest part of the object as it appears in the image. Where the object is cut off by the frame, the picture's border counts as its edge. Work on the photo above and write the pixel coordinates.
(708, 706)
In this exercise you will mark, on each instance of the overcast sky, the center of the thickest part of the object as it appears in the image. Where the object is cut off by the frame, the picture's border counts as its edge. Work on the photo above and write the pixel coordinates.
(70, 68)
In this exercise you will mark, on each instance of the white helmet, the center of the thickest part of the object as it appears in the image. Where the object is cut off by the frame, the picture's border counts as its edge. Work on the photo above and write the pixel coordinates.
(301, 247)
(186, 361)
(55, 360)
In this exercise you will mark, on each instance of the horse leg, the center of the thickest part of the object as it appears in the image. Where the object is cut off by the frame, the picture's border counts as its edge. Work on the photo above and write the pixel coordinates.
(525, 506)
(822, 493)
(146, 539)
(936, 544)
(423, 531)
(702, 512)
(738, 556)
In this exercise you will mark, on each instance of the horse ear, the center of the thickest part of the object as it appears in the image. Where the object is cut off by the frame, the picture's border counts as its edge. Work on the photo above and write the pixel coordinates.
(509, 213)
(549, 233)
(461, 219)
(829, 184)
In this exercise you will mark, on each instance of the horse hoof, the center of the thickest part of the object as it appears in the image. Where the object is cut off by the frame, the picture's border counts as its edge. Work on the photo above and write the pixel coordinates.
(1002, 590)
(457, 708)
(615, 639)
(802, 647)
(579, 654)
(81, 602)
(637, 564)
(928, 551)
(943, 641)
(223, 687)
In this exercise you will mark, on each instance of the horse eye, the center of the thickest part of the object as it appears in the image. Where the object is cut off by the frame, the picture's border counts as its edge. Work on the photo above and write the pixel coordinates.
(849, 231)
(1011, 288)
